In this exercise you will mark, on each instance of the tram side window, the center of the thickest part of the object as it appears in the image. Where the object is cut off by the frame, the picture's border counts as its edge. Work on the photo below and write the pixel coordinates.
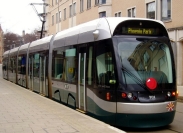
(14, 64)
(89, 60)
(4, 64)
(70, 64)
(10, 64)
(104, 64)
(58, 64)
(36, 65)
(21, 64)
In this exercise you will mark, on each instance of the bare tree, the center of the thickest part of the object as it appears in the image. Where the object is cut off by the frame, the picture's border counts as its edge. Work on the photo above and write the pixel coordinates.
(29, 37)
(11, 40)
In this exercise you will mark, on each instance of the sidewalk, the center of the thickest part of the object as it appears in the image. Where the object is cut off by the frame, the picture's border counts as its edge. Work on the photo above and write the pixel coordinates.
(23, 111)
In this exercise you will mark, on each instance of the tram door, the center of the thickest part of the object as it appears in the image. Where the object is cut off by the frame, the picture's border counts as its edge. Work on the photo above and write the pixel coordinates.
(39, 73)
(81, 79)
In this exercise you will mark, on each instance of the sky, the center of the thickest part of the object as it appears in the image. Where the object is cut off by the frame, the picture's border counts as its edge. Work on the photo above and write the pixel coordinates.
(19, 15)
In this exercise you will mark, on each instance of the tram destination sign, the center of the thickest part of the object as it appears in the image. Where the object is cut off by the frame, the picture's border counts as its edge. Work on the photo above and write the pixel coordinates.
(139, 31)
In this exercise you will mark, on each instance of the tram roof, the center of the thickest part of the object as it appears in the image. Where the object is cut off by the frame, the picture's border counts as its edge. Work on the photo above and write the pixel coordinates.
(85, 32)
(12, 51)
(41, 44)
(23, 48)
(6, 53)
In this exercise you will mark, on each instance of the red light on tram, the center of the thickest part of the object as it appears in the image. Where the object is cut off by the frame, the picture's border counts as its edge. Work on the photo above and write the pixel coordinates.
(151, 83)
(124, 95)
(108, 95)
(173, 93)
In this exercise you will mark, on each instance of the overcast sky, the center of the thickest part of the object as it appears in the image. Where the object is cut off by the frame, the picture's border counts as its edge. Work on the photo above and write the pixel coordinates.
(18, 15)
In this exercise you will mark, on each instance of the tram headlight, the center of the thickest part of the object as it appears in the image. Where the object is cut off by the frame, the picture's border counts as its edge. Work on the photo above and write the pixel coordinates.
(169, 94)
(130, 95)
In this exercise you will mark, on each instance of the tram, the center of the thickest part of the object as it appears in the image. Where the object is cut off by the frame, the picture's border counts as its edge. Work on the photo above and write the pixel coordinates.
(118, 70)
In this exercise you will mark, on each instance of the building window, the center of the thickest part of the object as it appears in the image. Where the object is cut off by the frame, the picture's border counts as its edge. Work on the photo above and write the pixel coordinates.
(132, 12)
(81, 5)
(102, 14)
(96, 2)
(60, 15)
(129, 13)
(53, 20)
(165, 9)
(70, 9)
(52, 3)
(64, 13)
(57, 19)
(102, 1)
(74, 8)
(88, 4)
(151, 8)
(117, 14)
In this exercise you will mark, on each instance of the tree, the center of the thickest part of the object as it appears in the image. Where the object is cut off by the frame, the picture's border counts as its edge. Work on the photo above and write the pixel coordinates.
(11, 40)
(30, 37)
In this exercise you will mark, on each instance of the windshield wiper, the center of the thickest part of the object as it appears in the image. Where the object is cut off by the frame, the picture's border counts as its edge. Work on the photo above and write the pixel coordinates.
(135, 78)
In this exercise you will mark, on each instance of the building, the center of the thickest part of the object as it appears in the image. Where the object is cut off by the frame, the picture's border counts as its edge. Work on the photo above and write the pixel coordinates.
(1, 44)
(63, 14)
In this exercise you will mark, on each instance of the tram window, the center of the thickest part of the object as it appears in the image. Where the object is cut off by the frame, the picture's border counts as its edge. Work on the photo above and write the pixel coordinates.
(21, 64)
(70, 65)
(14, 64)
(4, 64)
(89, 60)
(142, 58)
(105, 65)
(58, 64)
(36, 65)
(10, 64)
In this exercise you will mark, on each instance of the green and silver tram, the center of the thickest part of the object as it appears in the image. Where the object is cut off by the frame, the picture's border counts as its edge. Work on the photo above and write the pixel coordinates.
(118, 70)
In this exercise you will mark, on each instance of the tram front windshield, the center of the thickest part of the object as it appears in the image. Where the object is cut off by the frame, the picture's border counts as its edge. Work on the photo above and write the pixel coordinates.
(143, 58)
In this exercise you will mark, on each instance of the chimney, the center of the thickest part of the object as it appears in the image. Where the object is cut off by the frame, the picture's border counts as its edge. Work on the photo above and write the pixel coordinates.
(23, 33)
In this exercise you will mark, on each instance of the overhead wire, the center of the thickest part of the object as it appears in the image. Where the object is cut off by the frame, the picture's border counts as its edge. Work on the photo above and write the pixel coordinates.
(21, 14)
